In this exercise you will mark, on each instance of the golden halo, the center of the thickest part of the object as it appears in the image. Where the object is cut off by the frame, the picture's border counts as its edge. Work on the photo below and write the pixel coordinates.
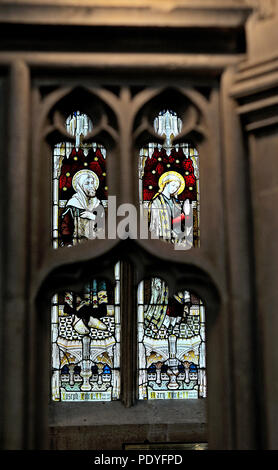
(175, 175)
(85, 172)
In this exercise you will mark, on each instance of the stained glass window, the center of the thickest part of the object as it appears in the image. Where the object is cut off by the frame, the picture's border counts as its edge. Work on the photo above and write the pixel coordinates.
(171, 343)
(86, 343)
(79, 185)
(169, 185)
(85, 325)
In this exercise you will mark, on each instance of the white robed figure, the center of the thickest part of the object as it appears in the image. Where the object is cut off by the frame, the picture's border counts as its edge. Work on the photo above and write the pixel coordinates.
(83, 219)
(166, 214)
(84, 213)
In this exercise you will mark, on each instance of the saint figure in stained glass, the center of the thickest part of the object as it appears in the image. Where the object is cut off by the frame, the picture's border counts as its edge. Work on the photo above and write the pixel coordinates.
(80, 193)
(83, 217)
(169, 185)
(168, 218)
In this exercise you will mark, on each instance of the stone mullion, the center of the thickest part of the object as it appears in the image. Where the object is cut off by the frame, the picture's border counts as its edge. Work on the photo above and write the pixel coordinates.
(128, 335)
(128, 297)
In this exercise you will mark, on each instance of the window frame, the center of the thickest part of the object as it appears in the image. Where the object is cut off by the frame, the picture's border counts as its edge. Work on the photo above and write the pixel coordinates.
(24, 105)
(62, 413)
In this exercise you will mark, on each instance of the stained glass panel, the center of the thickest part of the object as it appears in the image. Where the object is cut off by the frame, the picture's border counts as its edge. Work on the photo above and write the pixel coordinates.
(169, 185)
(86, 343)
(79, 186)
(171, 343)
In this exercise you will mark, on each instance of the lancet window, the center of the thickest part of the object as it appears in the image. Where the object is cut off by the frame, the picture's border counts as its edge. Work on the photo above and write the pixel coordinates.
(169, 185)
(85, 324)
